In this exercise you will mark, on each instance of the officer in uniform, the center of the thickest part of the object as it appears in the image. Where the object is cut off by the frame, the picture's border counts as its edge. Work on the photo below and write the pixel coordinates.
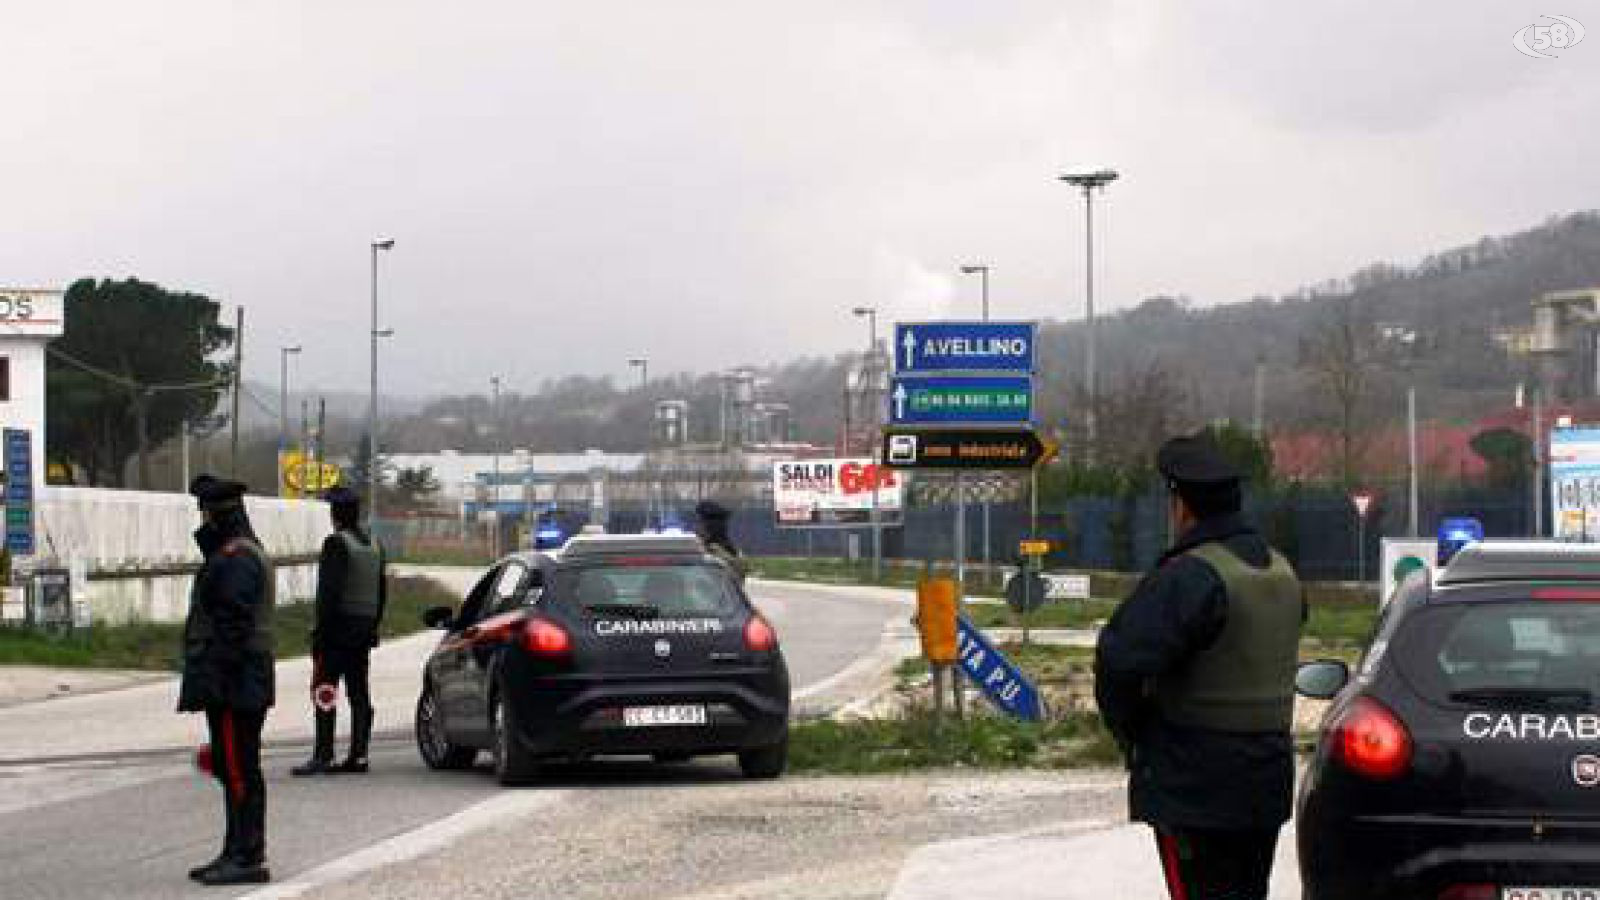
(351, 593)
(1194, 676)
(228, 673)
(714, 519)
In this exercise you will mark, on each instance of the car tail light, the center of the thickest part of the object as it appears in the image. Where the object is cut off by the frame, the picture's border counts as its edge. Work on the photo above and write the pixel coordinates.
(1579, 595)
(1470, 892)
(759, 636)
(1373, 742)
(542, 637)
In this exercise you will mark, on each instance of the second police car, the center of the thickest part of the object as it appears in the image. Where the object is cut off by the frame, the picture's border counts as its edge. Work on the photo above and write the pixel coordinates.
(615, 645)
(1462, 760)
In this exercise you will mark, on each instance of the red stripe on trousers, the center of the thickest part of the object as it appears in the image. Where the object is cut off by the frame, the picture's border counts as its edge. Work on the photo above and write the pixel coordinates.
(230, 759)
(1169, 864)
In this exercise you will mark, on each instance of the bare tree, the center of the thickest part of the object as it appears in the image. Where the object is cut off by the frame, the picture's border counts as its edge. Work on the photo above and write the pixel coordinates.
(1342, 360)
(1142, 407)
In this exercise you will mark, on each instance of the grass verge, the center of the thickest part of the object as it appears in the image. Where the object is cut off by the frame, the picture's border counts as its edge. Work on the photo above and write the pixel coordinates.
(916, 740)
(147, 645)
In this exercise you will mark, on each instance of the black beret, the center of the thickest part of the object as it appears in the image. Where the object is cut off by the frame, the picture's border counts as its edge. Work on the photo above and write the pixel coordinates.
(711, 510)
(213, 491)
(1195, 460)
(341, 496)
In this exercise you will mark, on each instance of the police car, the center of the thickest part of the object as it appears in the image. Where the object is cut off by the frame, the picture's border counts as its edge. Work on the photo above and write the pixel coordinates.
(1462, 760)
(613, 645)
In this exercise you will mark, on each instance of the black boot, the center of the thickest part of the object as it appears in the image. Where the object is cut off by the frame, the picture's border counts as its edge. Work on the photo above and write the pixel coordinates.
(360, 741)
(198, 873)
(321, 760)
(237, 871)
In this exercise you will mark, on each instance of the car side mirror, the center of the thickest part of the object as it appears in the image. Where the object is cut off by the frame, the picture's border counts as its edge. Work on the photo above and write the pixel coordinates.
(438, 617)
(1321, 680)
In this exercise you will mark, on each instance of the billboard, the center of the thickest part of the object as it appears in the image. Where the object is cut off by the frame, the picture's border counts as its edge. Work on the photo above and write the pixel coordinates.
(1575, 484)
(835, 493)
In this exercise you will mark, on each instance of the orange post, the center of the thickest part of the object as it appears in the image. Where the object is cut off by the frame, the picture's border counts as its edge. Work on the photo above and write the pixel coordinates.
(936, 619)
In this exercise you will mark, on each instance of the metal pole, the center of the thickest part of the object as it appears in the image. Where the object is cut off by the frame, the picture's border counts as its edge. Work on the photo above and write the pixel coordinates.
(372, 404)
(185, 485)
(988, 504)
(985, 272)
(1090, 418)
(1361, 547)
(877, 445)
(1538, 462)
(238, 374)
(1258, 421)
(1411, 448)
(961, 535)
(494, 466)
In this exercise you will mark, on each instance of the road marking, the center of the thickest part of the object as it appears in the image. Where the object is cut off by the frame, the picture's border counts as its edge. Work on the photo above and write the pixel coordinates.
(412, 844)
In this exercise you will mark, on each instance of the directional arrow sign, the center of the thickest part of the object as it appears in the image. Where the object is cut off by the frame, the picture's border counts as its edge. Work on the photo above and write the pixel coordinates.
(964, 347)
(986, 400)
(952, 448)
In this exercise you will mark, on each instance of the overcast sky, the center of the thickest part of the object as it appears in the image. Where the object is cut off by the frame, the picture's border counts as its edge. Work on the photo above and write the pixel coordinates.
(707, 184)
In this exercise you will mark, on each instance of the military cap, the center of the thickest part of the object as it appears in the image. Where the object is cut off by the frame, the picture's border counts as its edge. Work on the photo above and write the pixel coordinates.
(341, 496)
(212, 491)
(711, 511)
(1195, 460)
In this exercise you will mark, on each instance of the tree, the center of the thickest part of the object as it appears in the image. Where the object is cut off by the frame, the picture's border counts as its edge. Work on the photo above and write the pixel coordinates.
(1340, 358)
(134, 364)
(1508, 454)
(1249, 454)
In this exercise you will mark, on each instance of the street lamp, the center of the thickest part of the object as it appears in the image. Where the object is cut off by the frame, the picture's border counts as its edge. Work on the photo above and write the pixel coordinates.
(984, 272)
(1089, 182)
(643, 365)
(869, 389)
(372, 403)
(494, 455)
(283, 408)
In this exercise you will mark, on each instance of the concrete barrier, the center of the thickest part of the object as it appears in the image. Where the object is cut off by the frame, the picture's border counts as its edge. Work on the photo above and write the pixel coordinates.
(137, 548)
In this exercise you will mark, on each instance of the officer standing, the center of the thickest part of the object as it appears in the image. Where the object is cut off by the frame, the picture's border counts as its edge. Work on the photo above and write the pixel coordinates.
(714, 519)
(351, 594)
(228, 672)
(1194, 676)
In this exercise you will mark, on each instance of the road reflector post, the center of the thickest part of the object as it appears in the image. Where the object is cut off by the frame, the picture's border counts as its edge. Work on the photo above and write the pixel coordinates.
(937, 602)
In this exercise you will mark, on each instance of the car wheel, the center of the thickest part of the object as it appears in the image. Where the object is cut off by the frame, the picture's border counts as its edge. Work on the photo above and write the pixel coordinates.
(766, 762)
(432, 741)
(512, 763)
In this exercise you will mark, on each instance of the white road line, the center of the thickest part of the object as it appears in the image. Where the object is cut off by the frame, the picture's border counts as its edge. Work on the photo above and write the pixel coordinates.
(413, 844)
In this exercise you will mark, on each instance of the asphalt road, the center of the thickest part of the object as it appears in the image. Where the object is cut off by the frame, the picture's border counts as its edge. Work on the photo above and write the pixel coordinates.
(105, 808)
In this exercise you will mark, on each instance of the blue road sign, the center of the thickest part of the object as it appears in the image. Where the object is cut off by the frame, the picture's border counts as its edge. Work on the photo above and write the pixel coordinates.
(1000, 680)
(964, 347)
(959, 400)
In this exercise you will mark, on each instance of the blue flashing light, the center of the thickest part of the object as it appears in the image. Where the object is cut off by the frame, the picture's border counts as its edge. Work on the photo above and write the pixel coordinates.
(1455, 534)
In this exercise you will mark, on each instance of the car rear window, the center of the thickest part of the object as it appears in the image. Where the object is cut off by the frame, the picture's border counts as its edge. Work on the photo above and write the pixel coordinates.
(1477, 653)
(654, 589)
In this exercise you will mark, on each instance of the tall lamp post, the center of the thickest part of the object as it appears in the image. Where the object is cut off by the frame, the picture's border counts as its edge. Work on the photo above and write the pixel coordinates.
(283, 407)
(494, 457)
(988, 555)
(1089, 182)
(875, 413)
(643, 365)
(372, 402)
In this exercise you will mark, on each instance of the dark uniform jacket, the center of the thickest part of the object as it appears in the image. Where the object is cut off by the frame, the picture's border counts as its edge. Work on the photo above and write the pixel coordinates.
(336, 628)
(1187, 777)
(227, 652)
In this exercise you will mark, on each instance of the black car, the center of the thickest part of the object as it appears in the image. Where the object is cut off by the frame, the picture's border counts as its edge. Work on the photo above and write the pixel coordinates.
(1462, 761)
(615, 645)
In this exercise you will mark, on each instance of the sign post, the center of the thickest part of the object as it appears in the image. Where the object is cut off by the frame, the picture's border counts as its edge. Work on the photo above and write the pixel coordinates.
(1362, 501)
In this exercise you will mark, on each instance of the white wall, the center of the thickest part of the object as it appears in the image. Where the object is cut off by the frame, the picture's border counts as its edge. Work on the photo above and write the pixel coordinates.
(131, 532)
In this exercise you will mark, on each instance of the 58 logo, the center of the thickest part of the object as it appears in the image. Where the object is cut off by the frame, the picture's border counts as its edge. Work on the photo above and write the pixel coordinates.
(1533, 40)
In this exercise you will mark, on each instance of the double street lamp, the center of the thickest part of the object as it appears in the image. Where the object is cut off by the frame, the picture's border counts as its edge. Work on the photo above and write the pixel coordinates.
(870, 379)
(1089, 182)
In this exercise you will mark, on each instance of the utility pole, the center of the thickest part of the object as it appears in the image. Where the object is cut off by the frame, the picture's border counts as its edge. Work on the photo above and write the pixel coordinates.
(870, 381)
(1411, 453)
(1538, 462)
(238, 374)
(988, 504)
(372, 403)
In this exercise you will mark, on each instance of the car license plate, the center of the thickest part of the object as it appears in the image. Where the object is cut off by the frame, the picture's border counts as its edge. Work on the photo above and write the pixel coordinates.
(1550, 893)
(648, 716)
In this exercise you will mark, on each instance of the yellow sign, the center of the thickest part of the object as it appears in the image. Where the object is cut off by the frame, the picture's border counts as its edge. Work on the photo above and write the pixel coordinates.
(1051, 450)
(1035, 548)
(304, 476)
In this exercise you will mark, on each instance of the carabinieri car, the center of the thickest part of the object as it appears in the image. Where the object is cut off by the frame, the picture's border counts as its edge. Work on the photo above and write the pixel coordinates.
(1462, 762)
(613, 645)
